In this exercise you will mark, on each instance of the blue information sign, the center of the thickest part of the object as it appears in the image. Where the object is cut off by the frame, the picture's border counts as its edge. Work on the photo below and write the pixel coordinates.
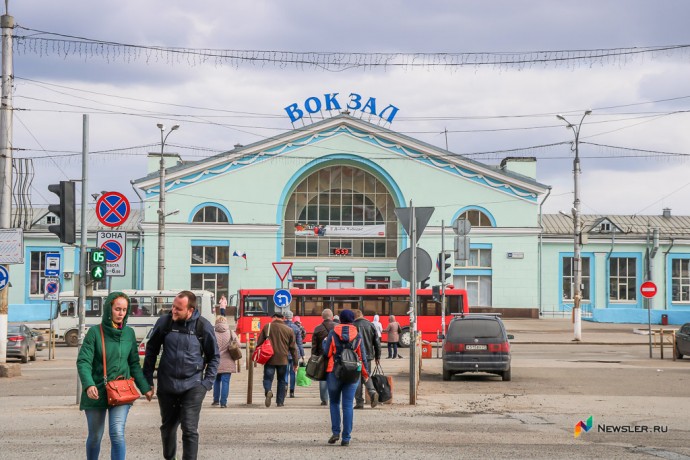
(52, 268)
(282, 298)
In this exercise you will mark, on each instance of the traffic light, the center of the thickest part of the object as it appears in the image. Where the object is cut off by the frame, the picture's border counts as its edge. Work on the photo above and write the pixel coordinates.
(425, 283)
(443, 267)
(97, 264)
(64, 211)
(436, 293)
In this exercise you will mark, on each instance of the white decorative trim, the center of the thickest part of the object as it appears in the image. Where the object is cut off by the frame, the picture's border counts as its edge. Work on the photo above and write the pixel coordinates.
(359, 269)
(322, 269)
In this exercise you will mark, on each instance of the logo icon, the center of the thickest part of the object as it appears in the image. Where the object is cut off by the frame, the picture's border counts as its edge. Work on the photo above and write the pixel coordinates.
(580, 426)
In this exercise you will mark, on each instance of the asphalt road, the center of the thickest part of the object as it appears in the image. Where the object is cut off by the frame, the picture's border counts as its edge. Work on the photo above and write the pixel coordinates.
(473, 416)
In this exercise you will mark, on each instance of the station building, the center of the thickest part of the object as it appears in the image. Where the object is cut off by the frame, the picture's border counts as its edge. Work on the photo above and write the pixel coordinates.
(323, 197)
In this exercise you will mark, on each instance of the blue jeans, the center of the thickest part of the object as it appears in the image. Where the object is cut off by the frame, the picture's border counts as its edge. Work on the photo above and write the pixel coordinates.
(221, 388)
(323, 390)
(392, 349)
(95, 420)
(291, 375)
(269, 373)
(336, 391)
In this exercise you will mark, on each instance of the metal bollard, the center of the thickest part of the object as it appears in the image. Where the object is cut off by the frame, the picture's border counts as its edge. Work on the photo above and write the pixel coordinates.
(250, 369)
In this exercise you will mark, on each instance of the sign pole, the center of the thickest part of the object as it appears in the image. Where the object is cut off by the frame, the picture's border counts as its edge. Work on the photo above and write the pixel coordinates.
(413, 306)
(84, 235)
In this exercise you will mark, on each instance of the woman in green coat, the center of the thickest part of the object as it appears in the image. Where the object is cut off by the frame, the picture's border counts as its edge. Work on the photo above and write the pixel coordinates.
(122, 359)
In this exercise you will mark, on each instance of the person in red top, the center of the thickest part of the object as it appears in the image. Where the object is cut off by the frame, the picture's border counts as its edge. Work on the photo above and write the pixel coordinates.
(345, 332)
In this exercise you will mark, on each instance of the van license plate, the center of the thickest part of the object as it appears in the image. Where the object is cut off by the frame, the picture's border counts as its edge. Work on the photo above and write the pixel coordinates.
(475, 347)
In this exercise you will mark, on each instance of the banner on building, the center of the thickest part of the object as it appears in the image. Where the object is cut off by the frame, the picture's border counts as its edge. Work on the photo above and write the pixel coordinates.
(357, 231)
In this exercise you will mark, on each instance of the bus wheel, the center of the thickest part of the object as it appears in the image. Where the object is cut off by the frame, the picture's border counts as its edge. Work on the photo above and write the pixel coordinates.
(72, 339)
(405, 338)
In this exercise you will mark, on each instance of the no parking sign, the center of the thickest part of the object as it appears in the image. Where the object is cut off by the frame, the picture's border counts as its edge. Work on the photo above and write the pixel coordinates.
(114, 244)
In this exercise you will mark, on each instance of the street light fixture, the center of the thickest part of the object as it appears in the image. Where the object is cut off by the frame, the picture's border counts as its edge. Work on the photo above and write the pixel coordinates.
(577, 257)
(161, 208)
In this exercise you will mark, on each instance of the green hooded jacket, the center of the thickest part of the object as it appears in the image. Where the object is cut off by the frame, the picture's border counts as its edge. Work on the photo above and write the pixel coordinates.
(122, 356)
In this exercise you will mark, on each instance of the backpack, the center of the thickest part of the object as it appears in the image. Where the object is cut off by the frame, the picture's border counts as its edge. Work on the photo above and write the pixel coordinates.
(348, 367)
(167, 328)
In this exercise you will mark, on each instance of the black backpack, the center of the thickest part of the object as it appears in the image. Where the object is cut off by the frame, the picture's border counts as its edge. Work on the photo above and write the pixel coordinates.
(167, 328)
(348, 367)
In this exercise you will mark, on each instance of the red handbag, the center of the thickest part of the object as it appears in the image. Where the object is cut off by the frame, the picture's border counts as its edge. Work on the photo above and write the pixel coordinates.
(264, 352)
(121, 390)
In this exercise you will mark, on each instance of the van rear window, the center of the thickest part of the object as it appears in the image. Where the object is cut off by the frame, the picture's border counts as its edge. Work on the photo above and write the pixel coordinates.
(469, 329)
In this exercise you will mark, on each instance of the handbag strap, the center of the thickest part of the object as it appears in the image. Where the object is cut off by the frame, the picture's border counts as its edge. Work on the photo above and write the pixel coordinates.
(378, 370)
(105, 372)
(268, 331)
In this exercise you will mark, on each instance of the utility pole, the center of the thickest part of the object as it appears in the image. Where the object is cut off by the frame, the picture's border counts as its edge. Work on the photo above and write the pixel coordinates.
(83, 269)
(413, 307)
(161, 208)
(7, 24)
(577, 257)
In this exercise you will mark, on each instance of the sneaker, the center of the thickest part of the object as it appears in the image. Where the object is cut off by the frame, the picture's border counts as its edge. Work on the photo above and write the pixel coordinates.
(323, 403)
(292, 393)
(215, 403)
(269, 396)
(359, 406)
(333, 439)
(224, 406)
(280, 404)
(345, 443)
(374, 400)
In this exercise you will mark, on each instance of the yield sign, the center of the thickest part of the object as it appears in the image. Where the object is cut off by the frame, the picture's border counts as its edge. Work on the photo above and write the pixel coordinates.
(421, 216)
(112, 209)
(282, 269)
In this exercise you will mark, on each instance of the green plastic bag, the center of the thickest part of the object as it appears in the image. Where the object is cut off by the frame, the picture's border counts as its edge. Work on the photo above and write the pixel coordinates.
(302, 379)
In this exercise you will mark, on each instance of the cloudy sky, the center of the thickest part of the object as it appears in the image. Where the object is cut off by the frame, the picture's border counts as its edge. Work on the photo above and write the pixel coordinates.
(633, 148)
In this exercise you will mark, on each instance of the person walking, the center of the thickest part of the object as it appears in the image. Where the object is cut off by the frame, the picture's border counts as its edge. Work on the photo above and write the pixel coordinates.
(186, 372)
(379, 327)
(339, 391)
(372, 347)
(393, 329)
(122, 359)
(227, 366)
(320, 333)
(284, 343)
(222, 304)
(292, 365)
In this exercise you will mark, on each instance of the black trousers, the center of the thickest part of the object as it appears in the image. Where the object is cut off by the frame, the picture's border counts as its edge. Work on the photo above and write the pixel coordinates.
(181, 409)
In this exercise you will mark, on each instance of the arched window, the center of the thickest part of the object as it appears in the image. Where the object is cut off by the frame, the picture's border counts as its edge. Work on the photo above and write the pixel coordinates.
(341, 211)
(477, 218)
(210, 215)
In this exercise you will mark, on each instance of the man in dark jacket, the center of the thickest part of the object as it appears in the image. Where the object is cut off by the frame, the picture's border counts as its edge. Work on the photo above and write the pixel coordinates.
(283, 342)
(186, 372)
(372, 347)
(300, 348)
(320, 333)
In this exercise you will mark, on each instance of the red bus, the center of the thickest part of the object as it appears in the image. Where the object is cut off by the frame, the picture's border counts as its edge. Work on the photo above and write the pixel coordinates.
(255, 308)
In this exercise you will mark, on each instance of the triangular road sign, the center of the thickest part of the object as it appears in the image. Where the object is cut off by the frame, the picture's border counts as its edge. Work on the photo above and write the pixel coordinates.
(282, 269)
(421, 215)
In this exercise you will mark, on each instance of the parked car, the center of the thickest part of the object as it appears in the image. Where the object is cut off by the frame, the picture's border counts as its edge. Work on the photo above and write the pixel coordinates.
(476, 343)
(682, 341)
(142, 349)
(20, 343)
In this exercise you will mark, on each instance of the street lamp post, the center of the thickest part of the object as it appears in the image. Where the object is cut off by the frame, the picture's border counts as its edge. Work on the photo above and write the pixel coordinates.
(161, 208)
(577, 257)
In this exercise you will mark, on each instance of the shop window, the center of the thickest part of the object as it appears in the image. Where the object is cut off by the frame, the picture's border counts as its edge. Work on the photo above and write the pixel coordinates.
(210, 255)
(680, 280)
(568, 280)
(478, 289)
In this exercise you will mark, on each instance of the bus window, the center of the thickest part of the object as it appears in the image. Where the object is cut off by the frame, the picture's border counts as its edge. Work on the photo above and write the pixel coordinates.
(346, 304)
(134, 308)
(399, 306)
(162, 305)
(67, 309)
(93, 306)
(314, 305)
(453, 304)
(427, 307)
(374, 306)
(256, 306)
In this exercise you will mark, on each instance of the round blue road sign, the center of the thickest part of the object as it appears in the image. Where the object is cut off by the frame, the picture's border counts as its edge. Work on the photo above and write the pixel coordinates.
(112, 209)
(282, 298)
(51, 288)
(4, 277)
